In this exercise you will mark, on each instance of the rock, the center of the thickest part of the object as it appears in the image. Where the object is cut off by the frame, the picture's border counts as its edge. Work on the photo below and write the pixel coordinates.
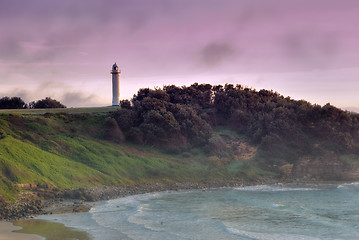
(26, 206)
(82, 208)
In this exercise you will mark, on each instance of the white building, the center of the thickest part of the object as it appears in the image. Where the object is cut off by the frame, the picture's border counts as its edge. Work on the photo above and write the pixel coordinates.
(115, 85)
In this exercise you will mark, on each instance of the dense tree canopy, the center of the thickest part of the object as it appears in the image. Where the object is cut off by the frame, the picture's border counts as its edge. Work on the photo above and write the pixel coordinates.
(18, 103)
(12, 103)
(153, 119)
(46, 103)
(284, 129)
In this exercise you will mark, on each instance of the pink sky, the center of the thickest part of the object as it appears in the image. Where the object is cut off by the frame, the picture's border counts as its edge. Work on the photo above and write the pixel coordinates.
(306, 49)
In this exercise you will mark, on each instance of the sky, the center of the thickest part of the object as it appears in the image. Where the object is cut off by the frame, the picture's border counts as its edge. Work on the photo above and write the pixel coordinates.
(305, 49)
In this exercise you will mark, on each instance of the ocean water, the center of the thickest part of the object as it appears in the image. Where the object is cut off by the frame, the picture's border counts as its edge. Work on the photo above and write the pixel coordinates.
(255, 213)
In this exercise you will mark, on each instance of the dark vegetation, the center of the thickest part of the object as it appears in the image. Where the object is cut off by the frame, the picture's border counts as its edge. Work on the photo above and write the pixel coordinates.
(12, 103)
(181, 118)
(18, 103)
(46, 103)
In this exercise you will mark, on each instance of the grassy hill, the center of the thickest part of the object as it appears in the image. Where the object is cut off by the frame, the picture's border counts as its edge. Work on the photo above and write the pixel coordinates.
(70, 151)
(179, 134)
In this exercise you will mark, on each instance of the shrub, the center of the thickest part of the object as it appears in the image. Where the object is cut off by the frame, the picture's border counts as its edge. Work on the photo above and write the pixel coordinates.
(112, 131)
(46, 103)
(12, 103)
(135, 135)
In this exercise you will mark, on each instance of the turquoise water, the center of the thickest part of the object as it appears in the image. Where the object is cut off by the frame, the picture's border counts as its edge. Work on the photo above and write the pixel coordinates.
(255, 213)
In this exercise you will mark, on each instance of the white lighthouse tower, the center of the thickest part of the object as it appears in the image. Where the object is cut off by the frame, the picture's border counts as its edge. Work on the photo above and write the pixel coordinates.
(115, 85)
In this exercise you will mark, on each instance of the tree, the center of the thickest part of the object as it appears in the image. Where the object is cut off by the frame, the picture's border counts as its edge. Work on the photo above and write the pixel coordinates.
(46, 103)
(126, 104)
(12, 103)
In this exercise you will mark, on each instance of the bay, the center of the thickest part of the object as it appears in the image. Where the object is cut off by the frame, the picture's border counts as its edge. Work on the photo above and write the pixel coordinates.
(324, 211)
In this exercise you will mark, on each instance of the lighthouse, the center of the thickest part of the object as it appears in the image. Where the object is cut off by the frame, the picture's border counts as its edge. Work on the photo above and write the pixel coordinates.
(115, 85)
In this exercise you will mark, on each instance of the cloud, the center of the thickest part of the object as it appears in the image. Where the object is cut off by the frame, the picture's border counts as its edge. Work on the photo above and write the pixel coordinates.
(23, 94)
(35, 93)
(76, 42)
(56, 90)
(10, 49)
(76, 98)
(215, 53)
(317, 50)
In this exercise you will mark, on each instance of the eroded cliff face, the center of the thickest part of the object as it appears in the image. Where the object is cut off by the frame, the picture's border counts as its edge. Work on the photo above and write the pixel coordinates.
(328, 167)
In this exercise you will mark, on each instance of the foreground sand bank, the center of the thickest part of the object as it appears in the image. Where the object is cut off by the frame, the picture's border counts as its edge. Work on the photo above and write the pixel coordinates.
(50, 230)
(6, 233)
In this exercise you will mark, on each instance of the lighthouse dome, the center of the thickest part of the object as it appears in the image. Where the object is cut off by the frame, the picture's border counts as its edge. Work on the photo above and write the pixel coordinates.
(114, 67)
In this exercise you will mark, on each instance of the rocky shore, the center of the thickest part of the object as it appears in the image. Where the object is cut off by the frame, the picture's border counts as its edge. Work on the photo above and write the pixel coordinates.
(27, 205)
(46, 200)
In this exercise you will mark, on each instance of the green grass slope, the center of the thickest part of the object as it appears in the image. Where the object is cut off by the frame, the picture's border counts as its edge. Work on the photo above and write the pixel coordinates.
(22, 162)
(71, 151)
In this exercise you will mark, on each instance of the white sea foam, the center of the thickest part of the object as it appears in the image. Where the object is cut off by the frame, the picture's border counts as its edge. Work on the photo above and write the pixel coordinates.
(278, 205)
(274, 188)
(348, 184)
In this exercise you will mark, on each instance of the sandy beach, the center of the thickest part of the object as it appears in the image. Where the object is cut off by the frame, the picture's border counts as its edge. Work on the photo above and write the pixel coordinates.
(6, 233)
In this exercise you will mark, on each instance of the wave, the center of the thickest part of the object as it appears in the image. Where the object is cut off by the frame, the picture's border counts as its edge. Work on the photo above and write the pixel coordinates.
(345, 185)
(241, 234)
(275, 188)
(267, 236)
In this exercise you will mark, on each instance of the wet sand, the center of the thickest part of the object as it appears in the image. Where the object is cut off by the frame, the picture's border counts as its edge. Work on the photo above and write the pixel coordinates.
(6, 233)
(49, 230)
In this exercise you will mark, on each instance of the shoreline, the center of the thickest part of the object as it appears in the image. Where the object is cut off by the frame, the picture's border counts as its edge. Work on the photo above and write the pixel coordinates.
(79, 200)
(44, 201)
